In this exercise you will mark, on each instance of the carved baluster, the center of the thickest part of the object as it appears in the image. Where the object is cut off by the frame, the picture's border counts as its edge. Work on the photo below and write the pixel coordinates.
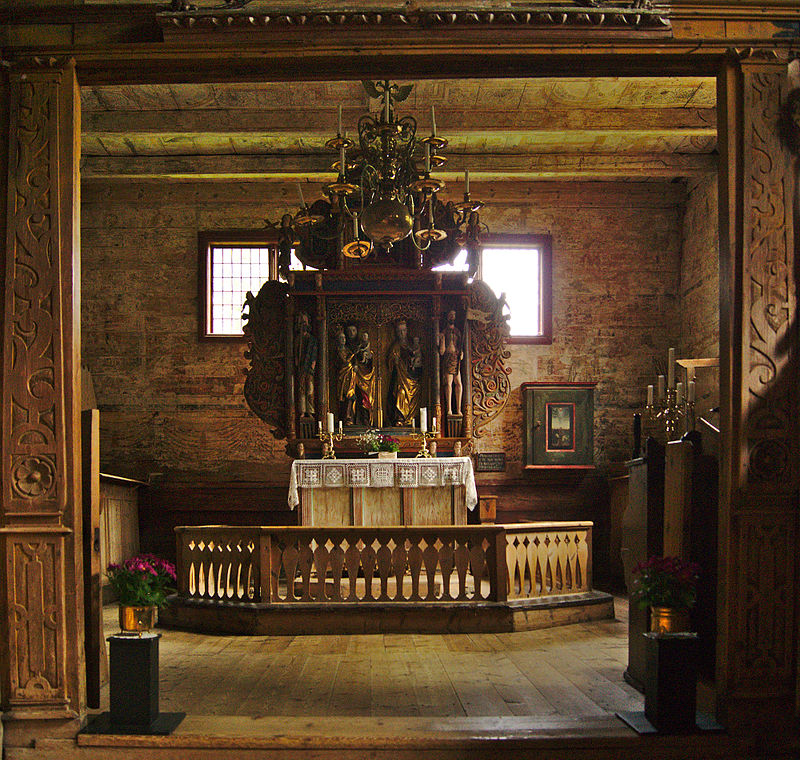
(461, 559)
(415, 568)
(368, 565)
(477, 564)
(291, 560)
(336, 563)
(305, 563)
(399, 556)
(321, 558)
(352, 559)
(511, 565)
(430, 557)
(583, 561)
(384, 562)
(446, 566)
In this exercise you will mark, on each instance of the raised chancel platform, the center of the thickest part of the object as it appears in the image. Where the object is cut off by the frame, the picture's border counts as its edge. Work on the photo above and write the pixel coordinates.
(356, 579)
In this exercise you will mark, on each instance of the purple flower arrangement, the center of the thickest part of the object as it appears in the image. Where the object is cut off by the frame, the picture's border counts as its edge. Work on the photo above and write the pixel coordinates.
(142, 581)
(666, 582)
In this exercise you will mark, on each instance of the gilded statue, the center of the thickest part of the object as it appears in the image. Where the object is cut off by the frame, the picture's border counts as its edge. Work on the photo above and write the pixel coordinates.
(451, 351)
(404, 361)
(355, 382)
(305, 363)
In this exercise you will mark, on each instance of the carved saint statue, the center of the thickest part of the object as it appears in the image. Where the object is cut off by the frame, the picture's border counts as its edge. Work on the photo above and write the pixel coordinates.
(305, 362)
(451, 352)
(355, 382)
(404, 361)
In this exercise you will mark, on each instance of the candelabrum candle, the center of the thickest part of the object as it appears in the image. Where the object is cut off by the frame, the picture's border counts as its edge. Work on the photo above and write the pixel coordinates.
(433, 425)
(340, 119)
(355, 226)
(423, 419)
(671, 368)
(386, 104)
(649, 395)
(330, 422)
(342, 160)
(340, 427)
(692, 392)
(466, 181)
(427, 158)
(679, 393)
(300, 193)
(319, 425)
(433, 122)
(660, 387)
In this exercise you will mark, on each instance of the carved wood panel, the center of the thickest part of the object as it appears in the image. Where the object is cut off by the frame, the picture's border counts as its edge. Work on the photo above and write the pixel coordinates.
(41, 633)
(34, 568)
(763, 552)
(769, 294)
(33, 392)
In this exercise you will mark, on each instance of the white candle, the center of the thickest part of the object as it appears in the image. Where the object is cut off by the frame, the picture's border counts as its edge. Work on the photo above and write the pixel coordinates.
(340, 427)
(340, 119)
(319, 425)
(330, 422)
(413, 424)
(466, 181)
(671, 368)
(386, 104)
(423, 419)
(300, 192)
(660, 387)
(679, 393)
(427, 158)
(649, 395)
(692, 391)
(355, 226)
(433, 122)
(430, 211)
(342, 163)
(433, 427)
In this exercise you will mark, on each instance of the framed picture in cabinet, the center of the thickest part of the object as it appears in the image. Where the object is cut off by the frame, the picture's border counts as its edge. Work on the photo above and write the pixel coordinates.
(559, 425)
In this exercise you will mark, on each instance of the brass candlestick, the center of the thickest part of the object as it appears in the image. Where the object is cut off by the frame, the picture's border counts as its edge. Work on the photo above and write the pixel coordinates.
(425, 437)
(669, 413)
(327, 439)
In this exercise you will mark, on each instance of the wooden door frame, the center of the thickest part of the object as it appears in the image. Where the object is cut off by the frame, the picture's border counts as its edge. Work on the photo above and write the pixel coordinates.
(446, 55)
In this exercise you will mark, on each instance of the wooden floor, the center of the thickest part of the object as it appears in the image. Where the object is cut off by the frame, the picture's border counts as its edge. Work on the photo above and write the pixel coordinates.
(569, 671)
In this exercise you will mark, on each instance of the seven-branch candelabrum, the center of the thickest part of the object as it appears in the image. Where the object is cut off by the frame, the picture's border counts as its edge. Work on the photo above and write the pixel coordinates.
(425, 437)
(672, 411)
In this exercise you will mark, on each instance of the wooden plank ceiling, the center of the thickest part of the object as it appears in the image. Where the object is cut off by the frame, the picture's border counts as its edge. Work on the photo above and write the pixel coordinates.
(501, 129)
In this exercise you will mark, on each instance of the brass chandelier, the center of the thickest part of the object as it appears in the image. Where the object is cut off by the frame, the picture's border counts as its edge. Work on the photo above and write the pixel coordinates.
(383, 199)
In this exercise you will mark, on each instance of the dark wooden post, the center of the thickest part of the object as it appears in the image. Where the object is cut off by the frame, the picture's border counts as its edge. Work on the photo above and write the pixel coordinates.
(466, 378)
(291, 406)
(757, 603)
(41, 583)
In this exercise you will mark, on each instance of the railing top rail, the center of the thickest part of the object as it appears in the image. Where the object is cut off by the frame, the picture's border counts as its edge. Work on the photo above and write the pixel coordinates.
(531, 526)
(389, 529)
(347, 529)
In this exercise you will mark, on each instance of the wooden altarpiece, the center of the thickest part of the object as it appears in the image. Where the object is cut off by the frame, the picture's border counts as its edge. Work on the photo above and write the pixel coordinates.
(373, 345)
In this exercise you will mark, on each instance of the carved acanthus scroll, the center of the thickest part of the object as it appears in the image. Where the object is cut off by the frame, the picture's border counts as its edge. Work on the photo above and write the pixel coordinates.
(489, 333)
(264, 388)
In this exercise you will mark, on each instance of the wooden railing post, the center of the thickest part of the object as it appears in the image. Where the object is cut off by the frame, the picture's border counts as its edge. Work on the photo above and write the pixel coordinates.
(182, 560)
(265, 565)
(499, 567)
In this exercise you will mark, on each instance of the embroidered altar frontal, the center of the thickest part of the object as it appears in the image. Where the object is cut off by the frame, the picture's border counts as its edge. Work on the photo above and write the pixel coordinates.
(399, 492)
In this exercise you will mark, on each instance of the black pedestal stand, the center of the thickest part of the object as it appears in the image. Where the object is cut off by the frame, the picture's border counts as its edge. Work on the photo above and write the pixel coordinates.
(133, 689)
(670, 688)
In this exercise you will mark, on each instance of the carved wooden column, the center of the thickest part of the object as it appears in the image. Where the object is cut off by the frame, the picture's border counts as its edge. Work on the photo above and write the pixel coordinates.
(757, 645)
(291, 404)
(41, 604)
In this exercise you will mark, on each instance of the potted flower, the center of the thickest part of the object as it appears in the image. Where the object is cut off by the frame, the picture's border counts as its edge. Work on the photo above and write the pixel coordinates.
(142, 584)
(375, 442)
(668, 586)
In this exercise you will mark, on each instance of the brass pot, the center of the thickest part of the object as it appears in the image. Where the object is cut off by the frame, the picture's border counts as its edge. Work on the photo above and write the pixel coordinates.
(669, 620)
(134, 619)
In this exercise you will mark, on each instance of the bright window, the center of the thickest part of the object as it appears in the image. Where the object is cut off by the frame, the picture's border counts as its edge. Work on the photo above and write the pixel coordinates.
(518, 267)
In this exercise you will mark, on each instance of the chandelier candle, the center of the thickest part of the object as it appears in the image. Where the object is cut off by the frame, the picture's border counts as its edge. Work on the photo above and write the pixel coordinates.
(466, 181)
(433, 122)
(339, 132)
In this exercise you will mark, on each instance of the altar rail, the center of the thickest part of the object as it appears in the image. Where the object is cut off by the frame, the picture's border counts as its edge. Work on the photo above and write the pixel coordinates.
(285, 565)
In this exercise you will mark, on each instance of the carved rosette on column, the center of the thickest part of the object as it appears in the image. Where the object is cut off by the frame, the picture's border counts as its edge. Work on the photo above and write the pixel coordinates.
(40, 597)
(761, 568)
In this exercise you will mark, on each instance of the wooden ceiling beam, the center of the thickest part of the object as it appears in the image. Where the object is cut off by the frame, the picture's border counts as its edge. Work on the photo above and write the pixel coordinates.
(449, 120)
(290, 168)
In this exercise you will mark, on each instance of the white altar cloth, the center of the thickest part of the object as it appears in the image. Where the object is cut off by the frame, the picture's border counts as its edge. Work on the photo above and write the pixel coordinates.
(383, 473)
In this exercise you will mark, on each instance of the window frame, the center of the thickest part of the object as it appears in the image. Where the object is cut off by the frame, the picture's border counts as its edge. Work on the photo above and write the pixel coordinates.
(218, 238)
(545, 245)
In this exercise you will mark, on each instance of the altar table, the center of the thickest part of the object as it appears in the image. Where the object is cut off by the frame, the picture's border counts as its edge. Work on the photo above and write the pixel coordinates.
(435, 491)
